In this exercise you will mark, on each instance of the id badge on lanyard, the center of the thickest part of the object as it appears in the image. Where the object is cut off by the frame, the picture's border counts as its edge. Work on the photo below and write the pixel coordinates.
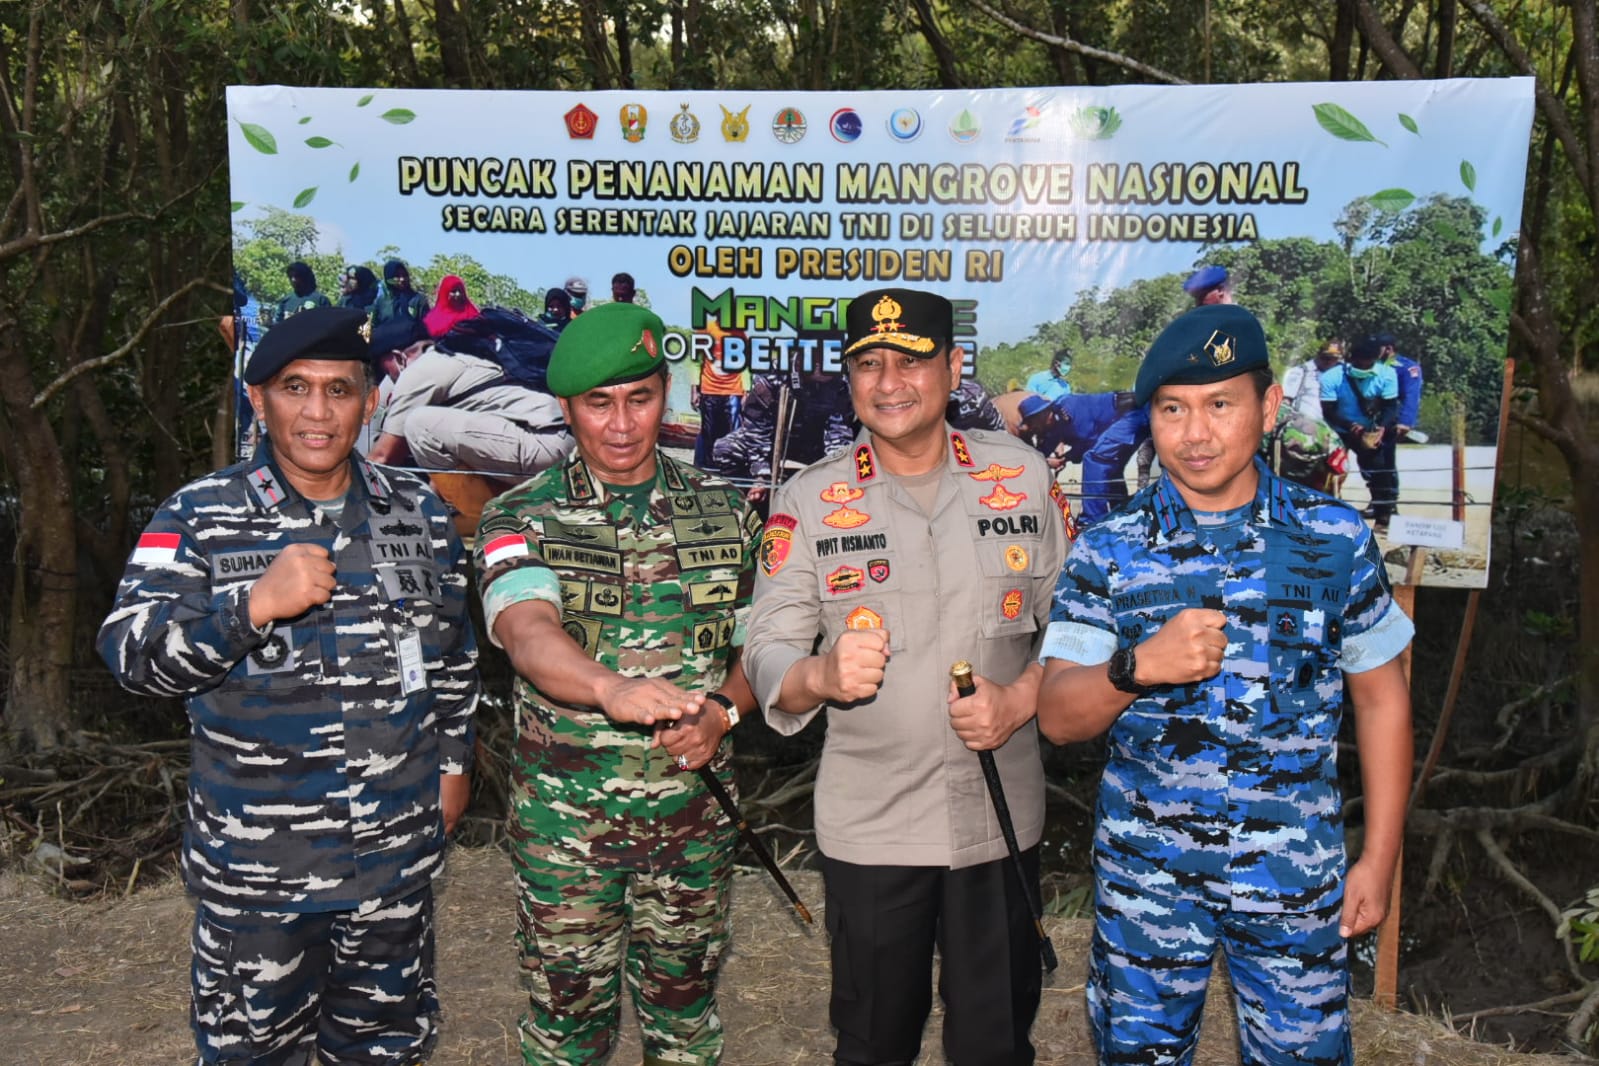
(413, 670)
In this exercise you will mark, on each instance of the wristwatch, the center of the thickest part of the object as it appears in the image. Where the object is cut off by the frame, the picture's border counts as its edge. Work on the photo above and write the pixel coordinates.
(1123, 664)
(728, 707)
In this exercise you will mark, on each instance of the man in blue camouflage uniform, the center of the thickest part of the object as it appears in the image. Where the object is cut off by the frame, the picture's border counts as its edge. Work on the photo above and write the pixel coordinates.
(617, 584)
(311, 607)
(1212, 626)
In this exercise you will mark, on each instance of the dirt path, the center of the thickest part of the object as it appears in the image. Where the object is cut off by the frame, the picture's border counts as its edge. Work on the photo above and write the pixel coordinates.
(106, 984)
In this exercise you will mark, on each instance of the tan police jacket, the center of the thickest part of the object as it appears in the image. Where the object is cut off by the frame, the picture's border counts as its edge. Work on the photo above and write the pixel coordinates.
(847, 546)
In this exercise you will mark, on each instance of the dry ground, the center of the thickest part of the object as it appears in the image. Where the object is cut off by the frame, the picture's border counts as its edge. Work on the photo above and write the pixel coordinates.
(106, 984)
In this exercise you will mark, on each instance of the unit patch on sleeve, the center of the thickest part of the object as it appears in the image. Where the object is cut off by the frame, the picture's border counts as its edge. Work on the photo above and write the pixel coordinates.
(776, 542)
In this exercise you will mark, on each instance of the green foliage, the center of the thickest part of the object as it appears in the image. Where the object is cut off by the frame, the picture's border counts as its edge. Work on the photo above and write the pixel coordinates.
(1417, 272)
(1579, 925)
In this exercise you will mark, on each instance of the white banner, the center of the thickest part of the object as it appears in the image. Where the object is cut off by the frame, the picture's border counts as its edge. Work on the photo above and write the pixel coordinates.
(1058, 220)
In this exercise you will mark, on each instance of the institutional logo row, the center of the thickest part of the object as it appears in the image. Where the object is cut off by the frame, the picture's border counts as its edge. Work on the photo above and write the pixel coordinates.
(789, 125)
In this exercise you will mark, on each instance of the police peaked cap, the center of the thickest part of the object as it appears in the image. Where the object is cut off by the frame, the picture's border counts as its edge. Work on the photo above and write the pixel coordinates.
(1210, 343)
(611, 344)
(332, 333)
(906, 320)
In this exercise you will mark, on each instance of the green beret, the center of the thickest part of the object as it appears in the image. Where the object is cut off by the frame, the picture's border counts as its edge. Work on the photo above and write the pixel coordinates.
(315, 333)
(1209, 343)
(609, 345)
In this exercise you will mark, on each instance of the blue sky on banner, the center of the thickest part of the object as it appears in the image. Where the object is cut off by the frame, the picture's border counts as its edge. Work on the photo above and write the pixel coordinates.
(1084, 167)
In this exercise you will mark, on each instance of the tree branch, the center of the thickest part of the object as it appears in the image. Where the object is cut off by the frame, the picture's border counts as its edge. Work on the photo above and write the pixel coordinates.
(1116, 58)
(61, 382)
(1514, 875)
(1389, 51)
(1553, 111)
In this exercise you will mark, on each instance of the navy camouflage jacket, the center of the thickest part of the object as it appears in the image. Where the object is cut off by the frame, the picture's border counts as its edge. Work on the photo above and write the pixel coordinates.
(314, 777)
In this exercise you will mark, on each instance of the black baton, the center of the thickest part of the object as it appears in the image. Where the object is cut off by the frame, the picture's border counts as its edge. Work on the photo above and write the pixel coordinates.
(748, 836)
(961, 674)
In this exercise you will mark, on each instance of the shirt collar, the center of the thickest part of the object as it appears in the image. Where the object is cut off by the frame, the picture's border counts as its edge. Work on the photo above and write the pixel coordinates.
(584, 487)
(1273, 505)
(272, 490)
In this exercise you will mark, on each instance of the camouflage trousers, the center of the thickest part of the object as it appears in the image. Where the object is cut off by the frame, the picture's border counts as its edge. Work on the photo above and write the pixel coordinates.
(1151, 962)
(341, 987)
(582, 928)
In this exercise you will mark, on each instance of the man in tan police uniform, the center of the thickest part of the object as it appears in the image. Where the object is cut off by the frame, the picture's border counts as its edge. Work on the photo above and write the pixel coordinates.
(916, 547)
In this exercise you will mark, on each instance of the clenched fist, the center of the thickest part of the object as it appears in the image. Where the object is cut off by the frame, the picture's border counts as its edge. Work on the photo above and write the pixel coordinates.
(1188, 648)
(853, 669)
(301, 577)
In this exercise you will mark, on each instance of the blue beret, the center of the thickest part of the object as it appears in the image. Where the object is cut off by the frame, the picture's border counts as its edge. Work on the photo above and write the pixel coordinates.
(1204, 279)
(1386, 338)
(316, 333)
(1209, 343)
(1031, 404)
(611, 344)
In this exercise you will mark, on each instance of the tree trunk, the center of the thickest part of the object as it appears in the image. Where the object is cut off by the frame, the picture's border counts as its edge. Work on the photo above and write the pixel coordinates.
(44, 596)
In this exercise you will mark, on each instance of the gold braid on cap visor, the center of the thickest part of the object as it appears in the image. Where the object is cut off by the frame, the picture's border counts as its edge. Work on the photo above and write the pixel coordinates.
(889, 331)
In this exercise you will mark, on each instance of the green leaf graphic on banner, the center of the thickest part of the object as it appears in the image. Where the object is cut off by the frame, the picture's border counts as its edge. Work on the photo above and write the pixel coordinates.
(1341, 124)
(1409, 123)
(1499, 224)
(305, 197)
(1392, 200)
(238, 205)
(258, 138)
(399, 116)
(318, 142)
(304, 120)
(1468, 175)
(367, 99)
(355, 171)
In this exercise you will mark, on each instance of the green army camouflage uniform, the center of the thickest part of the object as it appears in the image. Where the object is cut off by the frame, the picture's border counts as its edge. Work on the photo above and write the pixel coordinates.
(623, 859)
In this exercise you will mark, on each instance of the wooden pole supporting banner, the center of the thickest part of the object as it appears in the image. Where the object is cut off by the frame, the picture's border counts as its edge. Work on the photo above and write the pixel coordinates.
(1386, 990)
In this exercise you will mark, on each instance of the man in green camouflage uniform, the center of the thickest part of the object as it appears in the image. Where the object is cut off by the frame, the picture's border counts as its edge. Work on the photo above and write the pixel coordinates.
(617, 583)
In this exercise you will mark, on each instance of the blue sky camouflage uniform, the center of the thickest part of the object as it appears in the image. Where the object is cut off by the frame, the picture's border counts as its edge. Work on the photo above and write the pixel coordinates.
(1220, 799)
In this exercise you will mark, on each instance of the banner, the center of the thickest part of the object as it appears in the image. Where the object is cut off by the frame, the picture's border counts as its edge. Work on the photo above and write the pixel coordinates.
(1064, 223)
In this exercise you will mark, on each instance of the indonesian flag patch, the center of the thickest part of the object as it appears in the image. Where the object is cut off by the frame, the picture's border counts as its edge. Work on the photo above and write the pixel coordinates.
(157, 549)
(503, 549)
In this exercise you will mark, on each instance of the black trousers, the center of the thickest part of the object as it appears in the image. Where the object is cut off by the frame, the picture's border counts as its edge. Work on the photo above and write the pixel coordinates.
(885, 921)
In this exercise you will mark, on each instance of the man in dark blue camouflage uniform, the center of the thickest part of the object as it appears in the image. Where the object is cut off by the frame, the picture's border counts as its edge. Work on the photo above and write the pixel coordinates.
(1211, 626)
(311, 607)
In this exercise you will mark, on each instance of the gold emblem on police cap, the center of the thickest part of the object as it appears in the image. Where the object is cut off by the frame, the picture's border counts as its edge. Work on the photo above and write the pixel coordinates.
(886, 315)
(1222, 348)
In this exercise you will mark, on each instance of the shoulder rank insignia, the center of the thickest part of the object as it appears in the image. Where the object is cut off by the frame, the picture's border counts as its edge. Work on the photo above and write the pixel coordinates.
(865, 467)
(963, 455)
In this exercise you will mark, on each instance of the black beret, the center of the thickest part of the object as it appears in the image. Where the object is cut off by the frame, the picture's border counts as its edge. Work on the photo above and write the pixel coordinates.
(316, 333)
(905, 320)
(1210, 343)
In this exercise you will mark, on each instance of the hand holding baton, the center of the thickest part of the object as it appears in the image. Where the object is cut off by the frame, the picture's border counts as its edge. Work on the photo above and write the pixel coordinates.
(961, 674)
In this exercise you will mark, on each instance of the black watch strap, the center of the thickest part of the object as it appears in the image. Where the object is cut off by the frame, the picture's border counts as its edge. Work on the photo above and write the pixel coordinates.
(1123, 664)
